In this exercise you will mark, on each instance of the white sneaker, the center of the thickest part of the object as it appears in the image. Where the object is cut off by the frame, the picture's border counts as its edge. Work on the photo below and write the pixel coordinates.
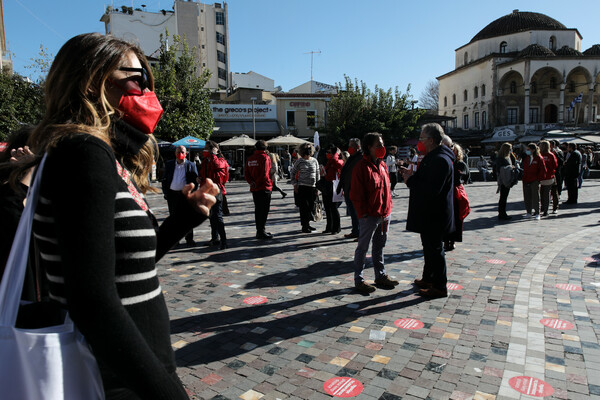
(537, 217)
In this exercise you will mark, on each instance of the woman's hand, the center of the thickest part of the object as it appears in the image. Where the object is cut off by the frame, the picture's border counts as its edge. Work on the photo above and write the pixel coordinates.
(406, 173)
(203, 198)
(22, 154)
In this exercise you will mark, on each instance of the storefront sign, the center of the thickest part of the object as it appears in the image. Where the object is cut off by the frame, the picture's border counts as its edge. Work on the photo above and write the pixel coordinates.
(243, 111)
(300, 104)
(504, 133)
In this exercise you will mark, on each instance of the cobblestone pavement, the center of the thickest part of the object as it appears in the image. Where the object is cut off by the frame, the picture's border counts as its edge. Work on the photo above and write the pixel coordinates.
(485, 341)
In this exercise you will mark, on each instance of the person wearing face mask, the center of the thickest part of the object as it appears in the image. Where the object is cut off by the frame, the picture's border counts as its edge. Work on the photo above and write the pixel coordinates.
(333, 168)
(534, 172)
(346, 183)
(431, 207)
(179, 173)
(372, 198)
(571, 172)
(97, 238)
(216, 169)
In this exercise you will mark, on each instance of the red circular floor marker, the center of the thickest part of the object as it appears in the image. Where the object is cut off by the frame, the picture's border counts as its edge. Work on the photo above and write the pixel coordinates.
(495, 261)
(453, 286)
(592, 259)
(569, 286)
(409, 323)
(506, 239)
(531, 386)
(343, 387)
(255, 300)
(559, 324)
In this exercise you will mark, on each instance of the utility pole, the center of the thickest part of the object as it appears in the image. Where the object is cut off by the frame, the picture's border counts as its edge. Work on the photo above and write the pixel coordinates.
(312, 53)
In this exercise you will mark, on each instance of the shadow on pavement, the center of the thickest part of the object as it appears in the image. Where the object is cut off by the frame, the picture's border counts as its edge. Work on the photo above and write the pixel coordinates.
(229, 333)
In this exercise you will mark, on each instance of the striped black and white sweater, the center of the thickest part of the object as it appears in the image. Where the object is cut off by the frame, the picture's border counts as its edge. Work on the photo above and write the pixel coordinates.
(98, 248)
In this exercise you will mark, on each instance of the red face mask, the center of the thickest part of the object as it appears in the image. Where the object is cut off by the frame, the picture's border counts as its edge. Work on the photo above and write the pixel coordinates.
(421, 147)
(142, 111)
(329, 156)
(351, 150)
(380, 152)
(205, 153)
(180, 156)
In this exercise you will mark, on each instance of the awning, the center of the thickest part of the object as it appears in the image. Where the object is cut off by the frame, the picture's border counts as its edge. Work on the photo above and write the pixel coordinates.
(529, 139)
(190, 142)
(228, 129)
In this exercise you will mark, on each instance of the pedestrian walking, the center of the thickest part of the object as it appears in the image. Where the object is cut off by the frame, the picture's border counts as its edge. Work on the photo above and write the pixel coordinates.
(506, 165)
(534, 171)
(431, 208)
(356, 155)
(556, 189)
(274, 173)
(97, 239)
(179, 173)
(391, 163)
(372, 198)
(216, 169)
(461, 202)
(482, 166)
(550, 178)
(304, 175)
(257, 174)
(571, 170)
(333, 168)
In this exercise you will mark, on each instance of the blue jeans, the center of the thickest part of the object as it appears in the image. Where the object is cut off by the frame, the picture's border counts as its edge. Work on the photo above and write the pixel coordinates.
(375, 228)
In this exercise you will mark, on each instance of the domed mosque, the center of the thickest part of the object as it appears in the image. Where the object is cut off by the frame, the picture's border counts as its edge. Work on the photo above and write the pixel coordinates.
(520, 73)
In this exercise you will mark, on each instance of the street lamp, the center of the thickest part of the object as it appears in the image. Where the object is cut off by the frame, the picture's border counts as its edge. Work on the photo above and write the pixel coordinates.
(253, 119)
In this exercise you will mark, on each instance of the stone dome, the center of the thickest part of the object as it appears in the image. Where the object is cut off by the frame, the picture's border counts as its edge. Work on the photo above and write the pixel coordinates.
(567, 51)
(536, 50)
(593, 51)
(518, 21)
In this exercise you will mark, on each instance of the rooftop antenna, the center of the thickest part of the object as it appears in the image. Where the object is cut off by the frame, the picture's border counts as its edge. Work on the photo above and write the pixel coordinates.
(312, 53)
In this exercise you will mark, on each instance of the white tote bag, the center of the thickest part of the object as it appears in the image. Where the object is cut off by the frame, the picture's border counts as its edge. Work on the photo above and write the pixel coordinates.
(337, 197)
(51, 363)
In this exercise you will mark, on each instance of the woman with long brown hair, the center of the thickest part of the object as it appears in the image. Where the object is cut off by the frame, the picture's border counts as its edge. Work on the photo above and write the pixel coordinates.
(98, 241)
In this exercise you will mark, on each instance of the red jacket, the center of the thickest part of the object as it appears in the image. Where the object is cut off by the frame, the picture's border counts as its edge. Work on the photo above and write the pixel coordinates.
(371, 194)
(216, 169)
(333, 168)
(534, 170)
(257, 171)
(551, 164)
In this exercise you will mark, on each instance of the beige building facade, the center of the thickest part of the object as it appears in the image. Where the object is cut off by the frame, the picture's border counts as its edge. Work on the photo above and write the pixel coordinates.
(204, 26)
(522, 71)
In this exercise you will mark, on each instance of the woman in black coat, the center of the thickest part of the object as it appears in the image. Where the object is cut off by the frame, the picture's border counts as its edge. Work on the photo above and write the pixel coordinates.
(461, 175)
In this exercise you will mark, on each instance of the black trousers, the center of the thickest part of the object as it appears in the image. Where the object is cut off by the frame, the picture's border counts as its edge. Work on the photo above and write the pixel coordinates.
(434, 270)
(217, 226)
(306, 201)
(393, 180)
(176, 203)
(262, 204)
(572, 189)
(331, 210)
(502, 202)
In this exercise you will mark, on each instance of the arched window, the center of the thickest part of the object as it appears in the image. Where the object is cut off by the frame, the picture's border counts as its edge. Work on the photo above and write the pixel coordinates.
(482, 90)
(552, 43)
(465, 95)
(502, 47)
(445, 101)
(466, 58)
(453, 99)
(513, 87)
(533, 87)
(553, 83)
(475, 92)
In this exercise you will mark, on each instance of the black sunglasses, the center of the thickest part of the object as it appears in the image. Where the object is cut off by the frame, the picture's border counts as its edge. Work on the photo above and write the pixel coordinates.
(141, 79)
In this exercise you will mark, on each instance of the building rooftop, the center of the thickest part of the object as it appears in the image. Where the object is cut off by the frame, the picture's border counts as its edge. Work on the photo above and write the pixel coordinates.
(567, 51)
(536, 50)
(518, 21)
(593, 51)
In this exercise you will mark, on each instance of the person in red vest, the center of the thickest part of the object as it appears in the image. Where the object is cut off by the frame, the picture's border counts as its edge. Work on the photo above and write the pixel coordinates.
(372, 198)
(257, 172)
(215, 168)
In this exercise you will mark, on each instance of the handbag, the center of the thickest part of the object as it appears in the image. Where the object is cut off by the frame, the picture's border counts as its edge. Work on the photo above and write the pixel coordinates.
(336, 197)
(317, 211)
(460, 196)
(49, 363)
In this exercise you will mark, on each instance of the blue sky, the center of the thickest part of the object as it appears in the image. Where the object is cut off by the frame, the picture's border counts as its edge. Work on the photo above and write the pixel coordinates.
(382, 42)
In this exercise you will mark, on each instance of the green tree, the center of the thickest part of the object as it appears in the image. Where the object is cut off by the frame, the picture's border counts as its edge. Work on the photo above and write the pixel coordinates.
(181, 93)
(356, 110)
(21, 102)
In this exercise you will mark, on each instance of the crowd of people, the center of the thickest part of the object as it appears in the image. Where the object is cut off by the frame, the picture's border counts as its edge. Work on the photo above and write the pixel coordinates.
(97, 241)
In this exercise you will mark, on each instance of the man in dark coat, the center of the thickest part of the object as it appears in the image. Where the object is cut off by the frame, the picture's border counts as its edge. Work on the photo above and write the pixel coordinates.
(346, 180)
(179, 173)
(571, 172)
(257, 174)
(431, 207)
